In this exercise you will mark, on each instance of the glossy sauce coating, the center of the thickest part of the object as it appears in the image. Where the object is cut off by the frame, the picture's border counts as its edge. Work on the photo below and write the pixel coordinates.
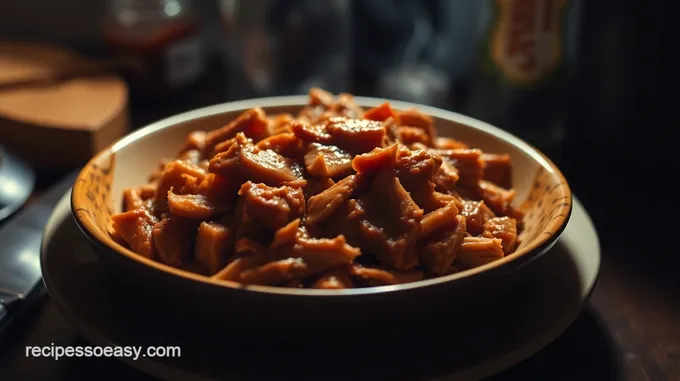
(335, 197)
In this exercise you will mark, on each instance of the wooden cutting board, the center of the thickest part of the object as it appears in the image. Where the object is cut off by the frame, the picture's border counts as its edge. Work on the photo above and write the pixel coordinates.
(57, 124)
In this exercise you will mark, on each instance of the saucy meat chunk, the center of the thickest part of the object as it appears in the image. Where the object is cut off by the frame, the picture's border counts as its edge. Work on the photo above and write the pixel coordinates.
(252, 123)
(285, 144)
(468, 163)
(136, 229)
(327, 161)
(332, 197)
(497, 169)
(390, 224)
(439, 251)
(476, 214)
(383, 277)
(173, 237)
(324, 204)
(244, 160)
(477, 251)
(415, 120)
(181, 177)
(268, 207)
(334, 280)
(212, 245)
(356, 135)
(504, 228)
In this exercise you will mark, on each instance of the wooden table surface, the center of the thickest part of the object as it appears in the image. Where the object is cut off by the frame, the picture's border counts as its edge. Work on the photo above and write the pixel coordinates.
(630, 329)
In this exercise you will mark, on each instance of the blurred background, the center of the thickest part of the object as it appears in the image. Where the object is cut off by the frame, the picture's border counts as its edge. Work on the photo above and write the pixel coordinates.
(584, 81)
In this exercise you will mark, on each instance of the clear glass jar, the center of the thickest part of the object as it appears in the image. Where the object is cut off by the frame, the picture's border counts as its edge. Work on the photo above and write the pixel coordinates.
(160, 41)
(281, 47)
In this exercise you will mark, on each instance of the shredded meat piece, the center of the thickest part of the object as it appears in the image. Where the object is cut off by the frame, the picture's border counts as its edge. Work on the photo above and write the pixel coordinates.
(147, 191)
(468, 162)
(236, 267)
(376, 160)
(280, 123)
(334, 280)
(448, 143)
(285, 144)
(476, 214)
(477, 251)
(286, 235)
(270, 208)
(414, 118)
(416, 170)
(316, 186)
(194, 206)
(443, 199)
(381, 113)
(218, 189)
(446, 177)
(412, 135)
(437, 219)
(439, 251)
(382, 277)
(132, 199)
(327, 161)
(327, 202)
(180, 176)
(311, 133)
(345, 106)
(391, 133)
(172, 237)
(321, 254)
(498, 199)
(390, 224)
(320, 97)
(246, 246)
(212, 245)
(322, 106)
(244, 160)
(504, 228)
(304, 257)
(355, 135)
(252, 123)
(195, 141)
(497, 169)
(274, 273)
(135, 227)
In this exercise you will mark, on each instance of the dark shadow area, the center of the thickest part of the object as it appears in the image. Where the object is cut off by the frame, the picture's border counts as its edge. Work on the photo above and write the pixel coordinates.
(589, 348)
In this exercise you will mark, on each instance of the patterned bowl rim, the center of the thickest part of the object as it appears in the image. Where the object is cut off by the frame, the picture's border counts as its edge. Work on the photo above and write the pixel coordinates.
(539, 245)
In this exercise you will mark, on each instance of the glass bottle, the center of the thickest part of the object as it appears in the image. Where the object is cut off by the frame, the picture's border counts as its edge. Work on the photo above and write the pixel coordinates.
(527, 51)
(159, 41)
(283, 47)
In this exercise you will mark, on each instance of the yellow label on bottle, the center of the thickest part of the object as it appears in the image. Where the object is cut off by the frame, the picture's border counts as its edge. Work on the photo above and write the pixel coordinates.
(527, 42)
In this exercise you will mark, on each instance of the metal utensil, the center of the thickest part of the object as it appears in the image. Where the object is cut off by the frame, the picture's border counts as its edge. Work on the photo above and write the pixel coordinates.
(21, 283)
(17, 180)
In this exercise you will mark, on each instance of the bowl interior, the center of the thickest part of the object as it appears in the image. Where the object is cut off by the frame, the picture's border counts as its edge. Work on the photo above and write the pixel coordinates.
(542, 192)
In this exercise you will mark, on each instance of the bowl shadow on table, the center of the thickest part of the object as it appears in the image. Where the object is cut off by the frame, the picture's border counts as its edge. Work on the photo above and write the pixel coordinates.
(454, 348)
(586, 351)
